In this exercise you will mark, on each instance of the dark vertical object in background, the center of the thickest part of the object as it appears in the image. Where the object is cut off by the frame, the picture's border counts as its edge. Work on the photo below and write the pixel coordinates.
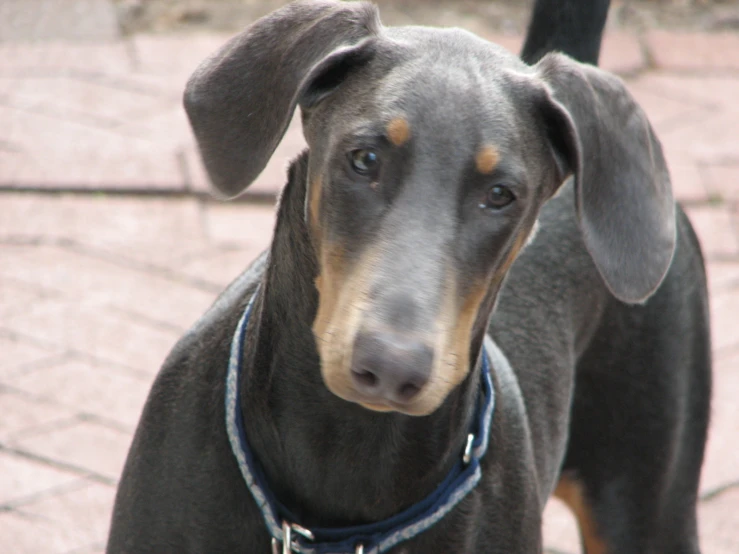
(573, 27)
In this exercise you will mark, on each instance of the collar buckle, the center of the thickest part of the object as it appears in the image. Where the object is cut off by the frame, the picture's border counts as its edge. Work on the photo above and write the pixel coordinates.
(288, 546)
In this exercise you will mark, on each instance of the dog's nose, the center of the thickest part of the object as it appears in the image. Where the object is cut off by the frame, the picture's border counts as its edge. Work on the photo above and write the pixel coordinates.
(388, 367)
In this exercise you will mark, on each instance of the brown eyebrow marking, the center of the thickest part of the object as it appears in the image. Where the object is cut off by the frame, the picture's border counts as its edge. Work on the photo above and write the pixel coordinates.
(486, 159)
(398, 131)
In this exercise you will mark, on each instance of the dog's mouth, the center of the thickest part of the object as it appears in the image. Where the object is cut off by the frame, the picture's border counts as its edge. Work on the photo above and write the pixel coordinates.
(382, 408)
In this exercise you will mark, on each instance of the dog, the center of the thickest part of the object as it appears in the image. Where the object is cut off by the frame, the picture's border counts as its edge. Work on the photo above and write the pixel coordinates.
(411, 367)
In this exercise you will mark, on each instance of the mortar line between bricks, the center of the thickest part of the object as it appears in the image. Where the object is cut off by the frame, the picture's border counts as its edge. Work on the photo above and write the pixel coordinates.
(62, 422)
(72, 352)
(184, 168)
(79, 117)
(646, 51)
(41, 290)
(42, 428)
(32, 339)
(715, 492)
(118, 260)
(138, 317)
(22, 501)
(106, 422)
(62, 466)
(256, 198)
(111, 364)
(110, 81)
(40, 363)
(128, 263)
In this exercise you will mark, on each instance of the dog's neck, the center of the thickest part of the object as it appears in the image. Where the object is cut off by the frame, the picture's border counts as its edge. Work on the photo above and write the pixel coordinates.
(329, 461)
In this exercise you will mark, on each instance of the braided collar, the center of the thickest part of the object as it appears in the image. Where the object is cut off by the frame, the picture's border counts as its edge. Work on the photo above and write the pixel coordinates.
(371, 538)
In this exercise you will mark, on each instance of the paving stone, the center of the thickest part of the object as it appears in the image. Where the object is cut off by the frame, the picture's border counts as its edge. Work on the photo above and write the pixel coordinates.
(223, 266)
(715, 229)
(37, 20)
(718, 521)
(18, 352)
(75, 518)
(92, 389)
(722, 181)
(694, 51)
(87, 157)
(175, 55)
(83, 444)
(688, 183)
(724, 321)
(720, 466)
(100, 285)
(22, 412)
(712, 92)
(21, 477)
(722, 275)
(711, 140)
(666, 109)
(16, 296)
(147, 230)
(560, 528)
(274, 175)
(237, 224)
(99, 333)
(25, 534)
(53, 58)
(72, 98)
(621, 53)
(169, 127)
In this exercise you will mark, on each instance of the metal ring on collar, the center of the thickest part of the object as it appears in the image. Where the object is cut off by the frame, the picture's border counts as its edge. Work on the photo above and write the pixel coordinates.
(468, 449)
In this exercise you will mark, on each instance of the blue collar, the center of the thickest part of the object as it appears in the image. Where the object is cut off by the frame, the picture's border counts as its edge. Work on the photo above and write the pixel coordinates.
(372, 538)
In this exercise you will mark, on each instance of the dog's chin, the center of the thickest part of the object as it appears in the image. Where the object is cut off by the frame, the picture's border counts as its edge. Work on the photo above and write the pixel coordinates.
(421, 407)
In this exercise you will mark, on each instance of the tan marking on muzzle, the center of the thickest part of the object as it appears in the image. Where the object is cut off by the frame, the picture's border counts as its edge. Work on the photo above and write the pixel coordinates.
(452, 344)
(314, 207)
(487, 159)
(342, 302)
(572, 493)
(398, 131)
(455, 325)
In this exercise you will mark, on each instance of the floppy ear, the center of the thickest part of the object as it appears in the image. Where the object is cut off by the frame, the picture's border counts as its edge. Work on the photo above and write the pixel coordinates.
(623, 194)
(241, 99)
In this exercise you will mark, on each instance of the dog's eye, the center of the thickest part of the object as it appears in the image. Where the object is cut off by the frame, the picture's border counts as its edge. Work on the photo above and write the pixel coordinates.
(498, 197)
(364, 161)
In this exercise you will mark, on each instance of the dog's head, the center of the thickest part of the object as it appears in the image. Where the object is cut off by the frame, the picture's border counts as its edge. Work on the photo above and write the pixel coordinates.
(431, 154)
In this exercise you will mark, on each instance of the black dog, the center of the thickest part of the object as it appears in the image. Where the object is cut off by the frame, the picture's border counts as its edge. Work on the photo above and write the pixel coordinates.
(410, 376)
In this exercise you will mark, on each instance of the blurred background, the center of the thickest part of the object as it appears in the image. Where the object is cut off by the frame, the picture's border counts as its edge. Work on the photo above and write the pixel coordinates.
(111, 245)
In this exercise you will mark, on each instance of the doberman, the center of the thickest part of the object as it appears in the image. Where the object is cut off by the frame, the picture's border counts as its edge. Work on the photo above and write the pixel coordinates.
(411, 367)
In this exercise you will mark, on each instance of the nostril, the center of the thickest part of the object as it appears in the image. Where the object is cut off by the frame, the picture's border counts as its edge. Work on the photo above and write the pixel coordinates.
(365, 378)
(408, 391)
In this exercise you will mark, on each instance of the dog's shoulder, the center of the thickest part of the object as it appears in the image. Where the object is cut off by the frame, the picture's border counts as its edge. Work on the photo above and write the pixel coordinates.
(181, 437)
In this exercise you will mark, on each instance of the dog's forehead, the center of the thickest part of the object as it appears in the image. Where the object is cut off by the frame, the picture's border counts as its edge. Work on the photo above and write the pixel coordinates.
(443, 83)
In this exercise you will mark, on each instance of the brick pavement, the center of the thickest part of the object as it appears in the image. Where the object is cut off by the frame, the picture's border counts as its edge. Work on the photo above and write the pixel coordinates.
(95, 288)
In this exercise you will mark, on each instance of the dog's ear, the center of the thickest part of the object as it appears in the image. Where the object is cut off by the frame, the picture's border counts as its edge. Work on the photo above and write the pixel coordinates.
(624, 198)
(241, 99)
